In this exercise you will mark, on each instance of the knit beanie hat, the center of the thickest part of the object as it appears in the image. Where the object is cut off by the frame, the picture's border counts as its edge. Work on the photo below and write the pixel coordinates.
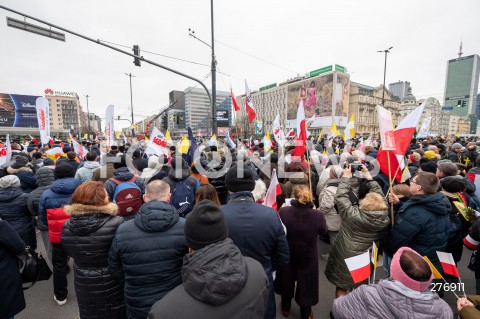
(456, 145)
(239, 179)
(453, 184)
(430, 167)
(48, 162)
(9, 181)
(430, 154)
(397, 273)
(64, 170)
(205, 225)
(20, 161)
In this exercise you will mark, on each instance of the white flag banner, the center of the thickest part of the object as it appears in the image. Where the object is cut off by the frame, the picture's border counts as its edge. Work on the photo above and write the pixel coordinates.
(43, 116)
(6, 152)
(425, 125)
(157, 144)
(276, 127)
(109, 129)
(80, 150)
(386, 128)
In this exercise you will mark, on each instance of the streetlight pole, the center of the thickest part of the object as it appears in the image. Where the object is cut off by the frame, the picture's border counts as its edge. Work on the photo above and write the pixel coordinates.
(213, 69)
(214, 77)
(384, 73)
(131, 102)
(88, 116)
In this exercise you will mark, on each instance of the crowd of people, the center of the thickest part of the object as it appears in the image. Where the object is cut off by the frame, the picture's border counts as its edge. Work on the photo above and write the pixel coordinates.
(172, 236)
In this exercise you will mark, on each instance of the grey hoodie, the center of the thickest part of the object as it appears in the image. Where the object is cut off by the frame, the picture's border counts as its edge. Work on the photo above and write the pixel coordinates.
(85, 173)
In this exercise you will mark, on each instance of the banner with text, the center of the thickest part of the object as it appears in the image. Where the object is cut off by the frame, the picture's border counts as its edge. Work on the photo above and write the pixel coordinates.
(157, 144)
(42, 107)
(109, 129)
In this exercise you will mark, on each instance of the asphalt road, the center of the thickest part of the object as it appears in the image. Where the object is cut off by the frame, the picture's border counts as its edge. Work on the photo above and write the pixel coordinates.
(40, 303)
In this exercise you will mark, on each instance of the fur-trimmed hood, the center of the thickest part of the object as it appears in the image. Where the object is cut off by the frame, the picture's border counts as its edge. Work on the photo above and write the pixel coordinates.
(14, 171)
(81, 210)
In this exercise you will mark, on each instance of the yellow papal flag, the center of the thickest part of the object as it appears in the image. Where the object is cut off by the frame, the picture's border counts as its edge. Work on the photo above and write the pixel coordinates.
(184, 145)
(436, 273)
(334, 131)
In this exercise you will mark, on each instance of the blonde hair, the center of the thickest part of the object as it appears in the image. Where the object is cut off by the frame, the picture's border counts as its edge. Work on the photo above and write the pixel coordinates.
(302, 193)
(373, 202)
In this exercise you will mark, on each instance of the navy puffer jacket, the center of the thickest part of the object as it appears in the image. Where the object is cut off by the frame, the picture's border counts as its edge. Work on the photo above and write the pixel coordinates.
(13, 209)
(147, 253)
(87, 237)
(422, 223)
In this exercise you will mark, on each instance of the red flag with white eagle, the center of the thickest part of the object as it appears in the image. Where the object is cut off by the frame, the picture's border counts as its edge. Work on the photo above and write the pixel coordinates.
(403, 134)
(359, 267)
(273, 190)
(301, 141)
(249, 104)
(234, 101)
(448, 264)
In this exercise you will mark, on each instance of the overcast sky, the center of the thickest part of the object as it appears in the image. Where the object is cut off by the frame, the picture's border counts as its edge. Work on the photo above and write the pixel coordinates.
(263, 41)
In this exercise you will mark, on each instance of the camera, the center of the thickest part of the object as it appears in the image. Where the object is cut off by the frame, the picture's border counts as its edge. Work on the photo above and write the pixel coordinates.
(356, 166)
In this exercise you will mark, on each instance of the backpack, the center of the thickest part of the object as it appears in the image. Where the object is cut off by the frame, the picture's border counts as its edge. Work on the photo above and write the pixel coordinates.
(183, 197)
(127, 196)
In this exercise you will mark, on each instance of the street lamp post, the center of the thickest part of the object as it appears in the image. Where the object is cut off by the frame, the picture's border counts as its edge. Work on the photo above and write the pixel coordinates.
(384, 73)
(213, 69)
(88, 117)
(131, 101)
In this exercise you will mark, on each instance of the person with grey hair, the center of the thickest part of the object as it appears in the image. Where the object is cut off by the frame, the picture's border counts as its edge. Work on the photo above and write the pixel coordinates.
(446, 169)
(454, 154)
(14, 209)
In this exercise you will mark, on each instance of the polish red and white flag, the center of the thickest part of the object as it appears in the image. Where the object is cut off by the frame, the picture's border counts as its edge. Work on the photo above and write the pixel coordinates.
(234, 101)
(301, 141)
(249, 104)
(359, 267)
(273, 190)
(448, 264)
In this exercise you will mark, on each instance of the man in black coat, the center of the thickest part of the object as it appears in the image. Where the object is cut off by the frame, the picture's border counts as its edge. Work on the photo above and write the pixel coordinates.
(254, 228)
(218, 282)
(147, 251)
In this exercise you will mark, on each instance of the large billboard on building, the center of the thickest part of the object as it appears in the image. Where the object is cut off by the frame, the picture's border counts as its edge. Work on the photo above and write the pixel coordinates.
(18, 110)
(324, 97)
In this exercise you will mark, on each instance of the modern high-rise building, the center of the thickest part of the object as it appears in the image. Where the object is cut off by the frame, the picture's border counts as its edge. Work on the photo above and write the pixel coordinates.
(461, 86)
(198, 111)
(401, 89)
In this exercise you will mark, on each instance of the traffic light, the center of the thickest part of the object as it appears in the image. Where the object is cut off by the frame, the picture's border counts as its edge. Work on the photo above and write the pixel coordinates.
(459, 103)
(464, 103)
(136, 51)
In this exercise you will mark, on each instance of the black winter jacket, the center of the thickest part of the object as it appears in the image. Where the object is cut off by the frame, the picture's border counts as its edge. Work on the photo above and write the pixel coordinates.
(147, 253)
(12, 301)
(218, 282)
(422, 223)
(26, 177)
(45, 179)
(87, 237)
(13, 209)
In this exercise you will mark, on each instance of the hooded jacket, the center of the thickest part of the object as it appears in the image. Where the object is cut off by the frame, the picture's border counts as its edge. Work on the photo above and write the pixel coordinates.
(45, 179)
(50, 208)
(359, 229)
(147, 254)
(422, 223)
(87, 237)
(26, 177)
(326, 201)
(218, 282)
(122, 174)
(154, 170)
(13, 209)
(85, 173)
(390, 299)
